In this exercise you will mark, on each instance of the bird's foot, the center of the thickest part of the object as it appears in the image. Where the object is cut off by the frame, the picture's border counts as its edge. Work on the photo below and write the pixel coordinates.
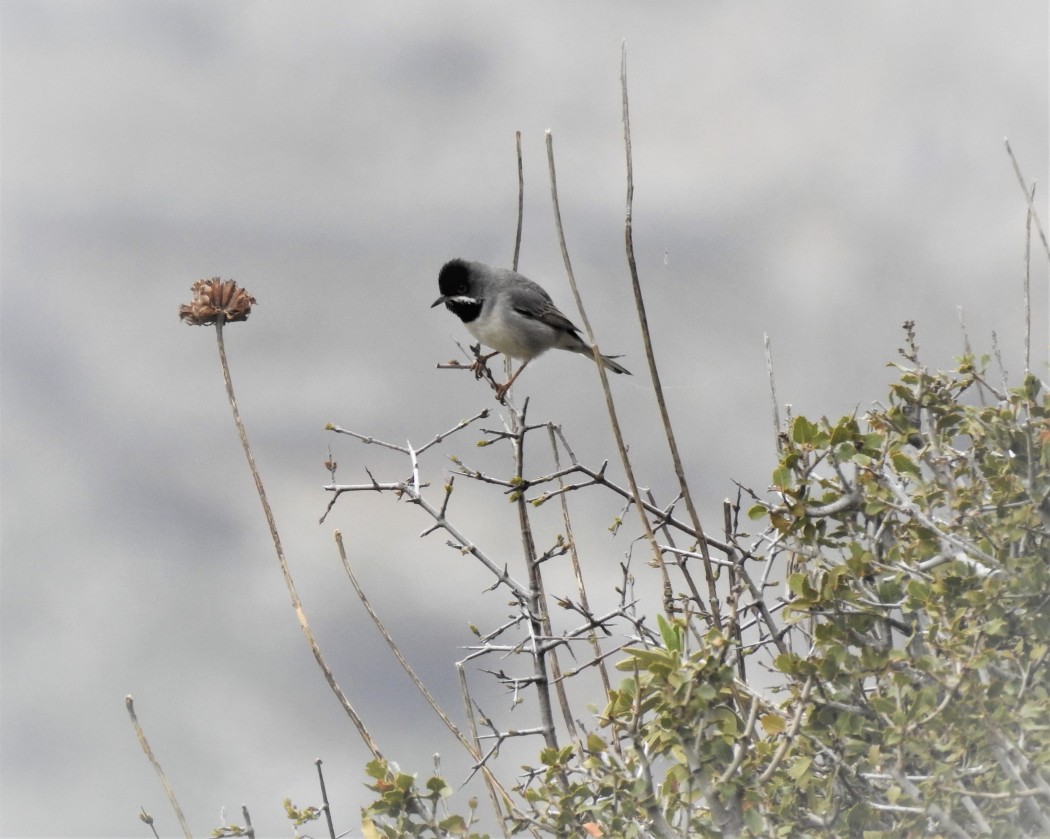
(479, 368)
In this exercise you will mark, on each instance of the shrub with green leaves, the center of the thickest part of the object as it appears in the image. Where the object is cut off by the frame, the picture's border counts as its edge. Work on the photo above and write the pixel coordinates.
(906, 691)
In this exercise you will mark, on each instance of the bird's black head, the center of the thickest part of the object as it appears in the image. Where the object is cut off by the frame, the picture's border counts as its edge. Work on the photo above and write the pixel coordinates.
(458, 290)
(454, 279)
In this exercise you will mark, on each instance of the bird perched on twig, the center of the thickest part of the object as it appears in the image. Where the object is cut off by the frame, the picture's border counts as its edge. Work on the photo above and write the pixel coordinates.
(509, 313)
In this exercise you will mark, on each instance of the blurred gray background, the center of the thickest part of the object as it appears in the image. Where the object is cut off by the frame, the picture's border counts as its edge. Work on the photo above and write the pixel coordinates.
(818, 171)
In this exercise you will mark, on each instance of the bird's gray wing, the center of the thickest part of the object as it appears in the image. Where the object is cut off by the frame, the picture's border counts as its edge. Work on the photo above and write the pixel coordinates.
(530, 300)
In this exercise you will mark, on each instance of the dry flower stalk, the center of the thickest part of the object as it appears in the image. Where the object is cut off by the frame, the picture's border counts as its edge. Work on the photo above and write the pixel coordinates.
(216, 300)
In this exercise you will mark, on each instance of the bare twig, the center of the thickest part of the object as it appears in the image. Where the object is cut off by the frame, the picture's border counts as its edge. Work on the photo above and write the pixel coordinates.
(147, 819)
(1029, 197)
(617, 433)
(324, 800)
(773, 393)
(538, 618)
(683, 568)
(441, 522)
(490, 780)
(285, 572)
(1028, 283)
(494, 798)
(249, 831)
(129, 703)
(377, 621)
(437, 438)
(521, 202)
(576, 568)
(665, 416)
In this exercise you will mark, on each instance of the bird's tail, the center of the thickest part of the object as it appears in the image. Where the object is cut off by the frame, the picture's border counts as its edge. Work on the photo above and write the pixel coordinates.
(607, 360)
(583, 348)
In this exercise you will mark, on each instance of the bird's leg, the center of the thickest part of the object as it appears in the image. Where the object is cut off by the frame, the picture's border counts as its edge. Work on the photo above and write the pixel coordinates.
(501, 390)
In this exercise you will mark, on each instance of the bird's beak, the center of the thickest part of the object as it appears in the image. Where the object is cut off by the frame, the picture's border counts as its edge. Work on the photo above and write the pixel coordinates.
(441, 299)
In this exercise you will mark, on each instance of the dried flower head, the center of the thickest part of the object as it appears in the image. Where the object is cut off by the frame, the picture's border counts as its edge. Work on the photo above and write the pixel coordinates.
(215, 300)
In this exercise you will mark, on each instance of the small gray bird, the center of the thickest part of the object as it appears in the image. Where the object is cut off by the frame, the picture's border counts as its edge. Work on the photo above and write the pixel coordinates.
(509, 313)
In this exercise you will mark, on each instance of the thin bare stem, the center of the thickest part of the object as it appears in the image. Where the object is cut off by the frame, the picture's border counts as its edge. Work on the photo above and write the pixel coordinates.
(129, 702)
(396, 650)
(539, 621)
(249, 831)
(507, 366)
(521, 202)
(472, 749)
(1028, 284)
(491, 782)
(324, 799)
(289, 582)
(773, 393)
(1029, 198)
(437, 438)
(680, 559)
(639, 302)
(736, 589)
(636, 494)
(577, 571)
(598, 478)
(550, 654)
(147, 819)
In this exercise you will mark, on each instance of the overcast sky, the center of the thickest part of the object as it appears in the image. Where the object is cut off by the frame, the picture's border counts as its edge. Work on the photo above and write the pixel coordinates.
(817, 171)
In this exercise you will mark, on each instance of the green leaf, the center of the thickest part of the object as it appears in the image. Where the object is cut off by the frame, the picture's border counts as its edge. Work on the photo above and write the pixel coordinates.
(647, 659)
(803, 431)
(670, 633)
(782, 478)
(800, 586)
(799, 768)
(438, 787)
(376, 769)
(773, 723)
(905, 465)
(454, 825)
(595, 743)
(918, 590)
(758, 511)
